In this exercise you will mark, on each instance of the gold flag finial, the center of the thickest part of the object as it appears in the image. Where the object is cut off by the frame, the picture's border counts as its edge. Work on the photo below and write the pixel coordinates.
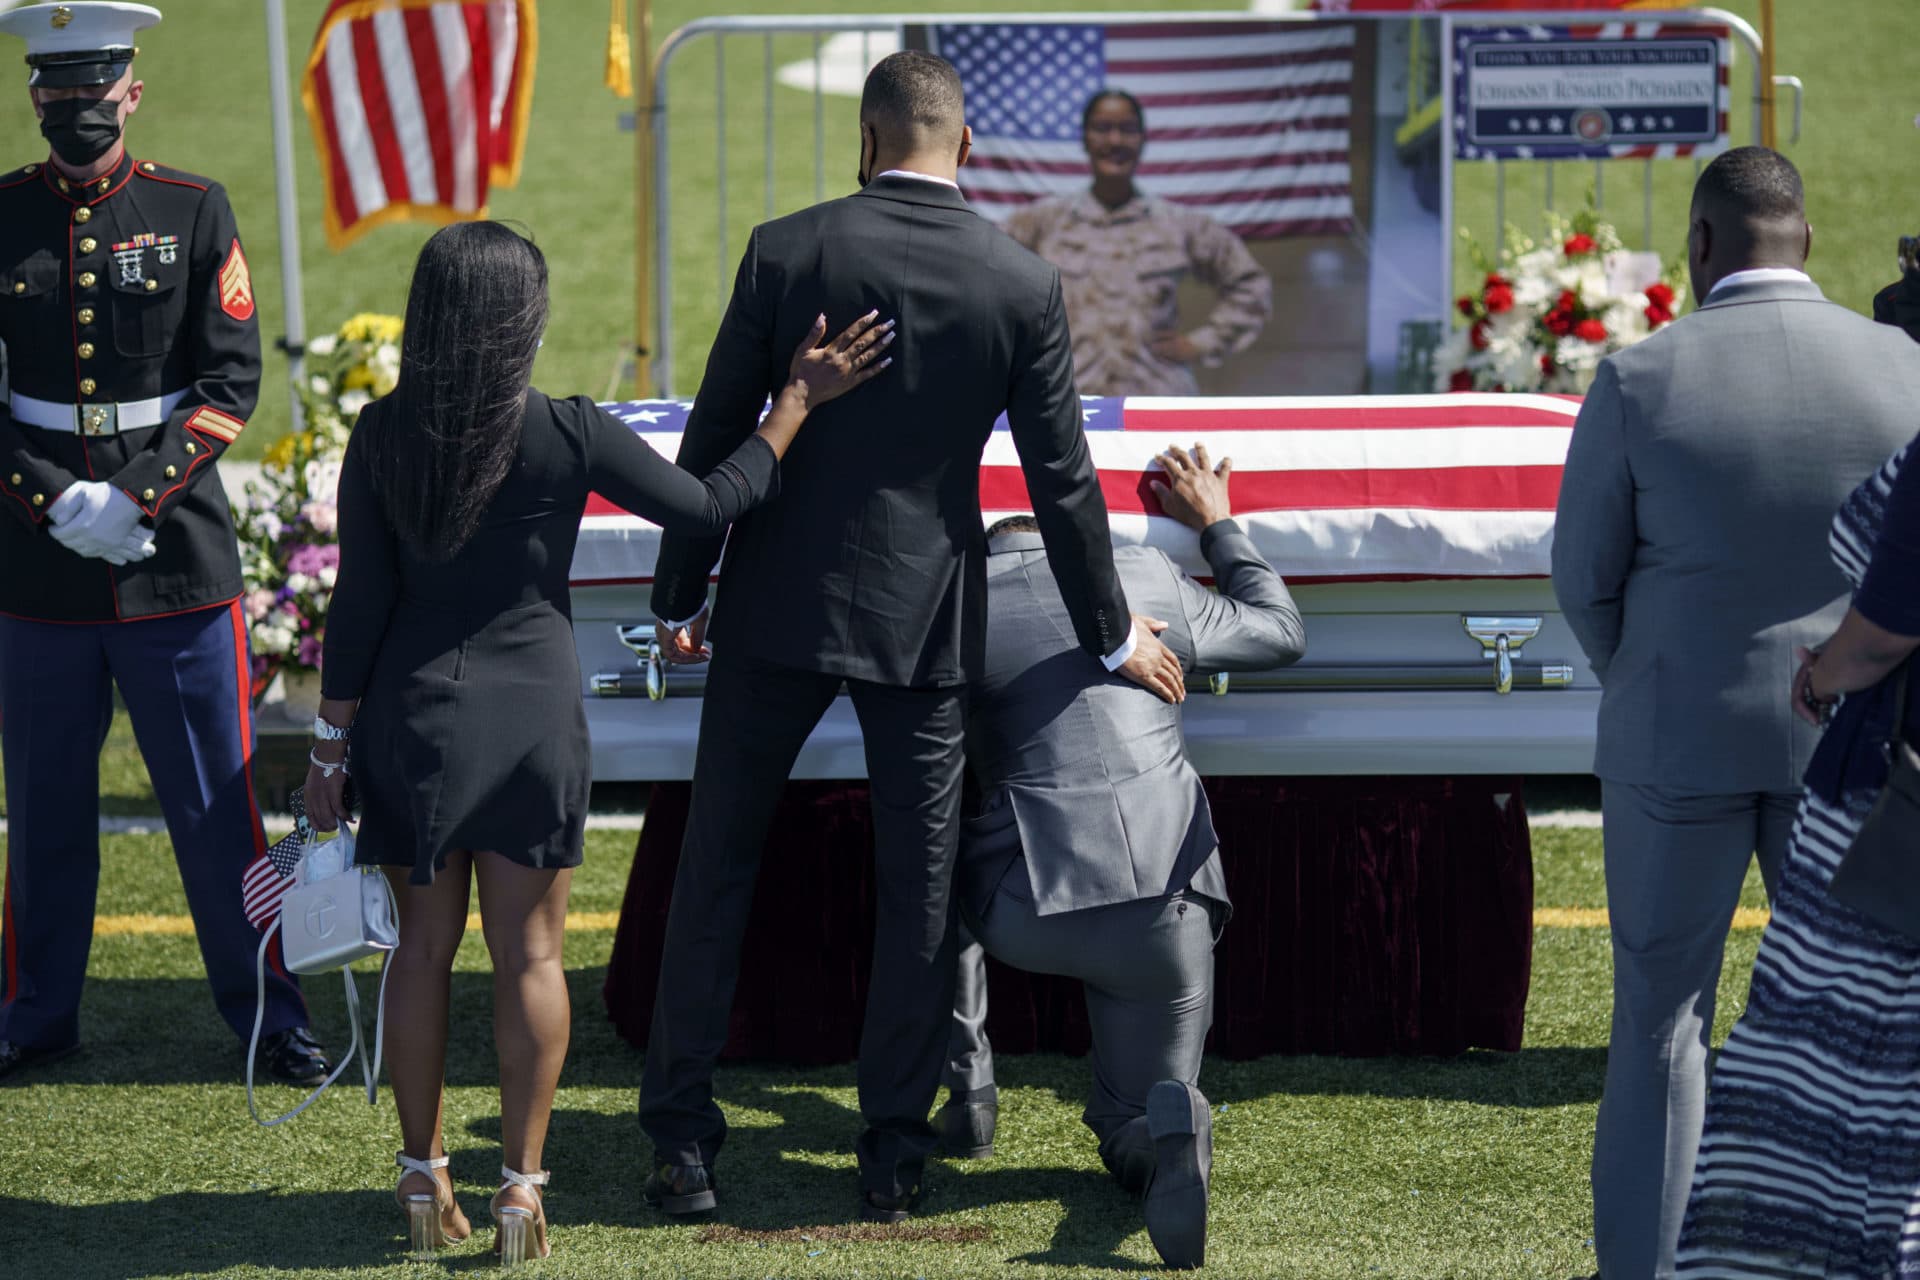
(619, 72)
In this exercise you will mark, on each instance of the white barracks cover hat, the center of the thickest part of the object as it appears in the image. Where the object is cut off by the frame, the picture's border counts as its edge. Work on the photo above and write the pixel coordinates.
(89, 42)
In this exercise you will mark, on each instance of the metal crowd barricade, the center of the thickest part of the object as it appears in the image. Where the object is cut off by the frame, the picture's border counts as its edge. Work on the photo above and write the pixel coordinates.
(875, 28)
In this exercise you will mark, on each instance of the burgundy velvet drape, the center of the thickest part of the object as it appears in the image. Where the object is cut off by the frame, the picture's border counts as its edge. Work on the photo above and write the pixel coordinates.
(1371, 916)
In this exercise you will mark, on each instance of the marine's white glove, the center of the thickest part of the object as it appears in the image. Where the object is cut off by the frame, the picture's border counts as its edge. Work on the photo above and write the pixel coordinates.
(92, 518)
(138, 546)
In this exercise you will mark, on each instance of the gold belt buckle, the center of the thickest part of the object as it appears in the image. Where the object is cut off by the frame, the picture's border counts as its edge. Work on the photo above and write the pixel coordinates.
(98, 419)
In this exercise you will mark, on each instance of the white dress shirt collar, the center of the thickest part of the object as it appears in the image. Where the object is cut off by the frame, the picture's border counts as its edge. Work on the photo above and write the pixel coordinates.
(1760, 275)
(918, 177)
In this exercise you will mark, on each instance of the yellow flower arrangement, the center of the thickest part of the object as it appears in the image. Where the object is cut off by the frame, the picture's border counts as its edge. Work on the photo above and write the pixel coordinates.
(287, 524)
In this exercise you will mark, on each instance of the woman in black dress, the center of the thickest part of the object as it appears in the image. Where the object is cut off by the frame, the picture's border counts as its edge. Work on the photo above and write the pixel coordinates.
(449, 656)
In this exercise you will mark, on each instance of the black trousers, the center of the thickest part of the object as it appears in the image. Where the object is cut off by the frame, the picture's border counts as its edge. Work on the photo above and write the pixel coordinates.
(755, 718)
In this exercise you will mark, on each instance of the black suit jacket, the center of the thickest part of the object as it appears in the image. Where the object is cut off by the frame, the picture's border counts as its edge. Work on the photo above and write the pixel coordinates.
(871, 565)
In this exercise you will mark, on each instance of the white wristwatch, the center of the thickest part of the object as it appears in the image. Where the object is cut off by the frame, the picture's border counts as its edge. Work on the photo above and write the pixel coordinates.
(327, 731)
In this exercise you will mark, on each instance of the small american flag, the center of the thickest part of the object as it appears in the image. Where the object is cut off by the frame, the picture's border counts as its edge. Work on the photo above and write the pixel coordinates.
(1249, 121)
(417, 107)
(268, 877)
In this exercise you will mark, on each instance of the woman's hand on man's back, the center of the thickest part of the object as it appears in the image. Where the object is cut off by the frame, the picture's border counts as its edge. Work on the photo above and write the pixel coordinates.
(823, 371)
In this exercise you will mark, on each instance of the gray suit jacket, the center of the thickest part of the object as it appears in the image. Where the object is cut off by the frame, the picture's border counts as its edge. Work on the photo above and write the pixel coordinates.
(1690, 550)
(1082, 771)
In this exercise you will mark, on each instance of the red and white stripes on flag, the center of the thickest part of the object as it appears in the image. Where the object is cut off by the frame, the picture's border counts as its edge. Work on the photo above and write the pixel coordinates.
(1334, 488)
(1249, 120)
(268, 878)
(418, 107)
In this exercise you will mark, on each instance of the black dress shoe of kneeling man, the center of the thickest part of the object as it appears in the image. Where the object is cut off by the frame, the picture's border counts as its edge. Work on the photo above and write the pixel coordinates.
(1181, 1125)
(964, 1125)
(293, 1056)
(18, 1058)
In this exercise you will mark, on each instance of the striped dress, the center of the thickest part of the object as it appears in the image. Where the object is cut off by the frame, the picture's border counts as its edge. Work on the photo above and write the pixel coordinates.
(1810, 1160)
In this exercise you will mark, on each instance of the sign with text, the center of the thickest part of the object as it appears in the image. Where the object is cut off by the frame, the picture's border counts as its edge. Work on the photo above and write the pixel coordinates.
(1561, 93)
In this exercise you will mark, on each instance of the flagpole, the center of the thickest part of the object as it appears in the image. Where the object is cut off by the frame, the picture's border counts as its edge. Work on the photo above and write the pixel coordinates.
(287, 205)
(645, 382)
(1767, 135)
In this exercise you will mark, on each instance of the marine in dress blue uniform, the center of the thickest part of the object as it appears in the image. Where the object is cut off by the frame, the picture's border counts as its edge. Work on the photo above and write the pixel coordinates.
(133, 362)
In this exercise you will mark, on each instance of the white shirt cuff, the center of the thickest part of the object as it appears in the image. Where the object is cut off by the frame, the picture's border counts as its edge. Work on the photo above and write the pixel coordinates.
(687, 621)
(1118, 658)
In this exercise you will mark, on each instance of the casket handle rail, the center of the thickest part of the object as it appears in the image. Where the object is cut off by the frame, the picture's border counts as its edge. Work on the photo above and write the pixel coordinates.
(1501, 639)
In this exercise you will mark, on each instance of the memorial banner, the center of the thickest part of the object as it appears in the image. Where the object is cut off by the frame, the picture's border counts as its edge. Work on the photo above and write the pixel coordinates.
(1590, 92)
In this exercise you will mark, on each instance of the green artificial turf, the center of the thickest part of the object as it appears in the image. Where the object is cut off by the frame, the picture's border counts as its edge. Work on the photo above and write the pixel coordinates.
(137, 1158)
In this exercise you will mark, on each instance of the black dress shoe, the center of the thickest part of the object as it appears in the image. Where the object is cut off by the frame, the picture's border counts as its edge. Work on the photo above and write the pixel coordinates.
(681, 1189)
(1181, 1123)
(965, 1128)
(15, 1058)
(293, 1056)
(875, 1207)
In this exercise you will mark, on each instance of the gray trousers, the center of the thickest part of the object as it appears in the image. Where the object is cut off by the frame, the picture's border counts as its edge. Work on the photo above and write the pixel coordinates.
(1148, 970)
(1675, 861)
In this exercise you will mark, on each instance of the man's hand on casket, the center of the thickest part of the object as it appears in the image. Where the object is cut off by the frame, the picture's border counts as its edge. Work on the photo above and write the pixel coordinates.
(1195, 493)
(681, 646)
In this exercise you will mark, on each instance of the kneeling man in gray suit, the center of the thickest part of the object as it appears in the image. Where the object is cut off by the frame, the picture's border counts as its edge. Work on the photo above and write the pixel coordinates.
(1092, 852)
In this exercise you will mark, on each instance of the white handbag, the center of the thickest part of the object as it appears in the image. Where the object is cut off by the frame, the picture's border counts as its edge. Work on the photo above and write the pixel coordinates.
(335, 913)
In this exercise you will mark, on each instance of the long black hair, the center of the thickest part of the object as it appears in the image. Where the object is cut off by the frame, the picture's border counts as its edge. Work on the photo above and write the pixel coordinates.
(443, 442)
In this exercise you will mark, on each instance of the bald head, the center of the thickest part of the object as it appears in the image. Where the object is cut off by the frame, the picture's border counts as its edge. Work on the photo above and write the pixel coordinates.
(912, 112)
(1749, 210)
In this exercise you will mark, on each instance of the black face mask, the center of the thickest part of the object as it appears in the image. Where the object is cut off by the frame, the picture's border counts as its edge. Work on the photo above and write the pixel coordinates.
(81, 130)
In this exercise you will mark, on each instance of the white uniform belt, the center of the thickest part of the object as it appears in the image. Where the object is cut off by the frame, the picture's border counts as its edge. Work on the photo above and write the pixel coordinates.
(94, 419)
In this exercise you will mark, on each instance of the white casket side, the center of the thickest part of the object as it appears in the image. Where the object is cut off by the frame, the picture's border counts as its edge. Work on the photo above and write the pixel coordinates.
(1415, 531)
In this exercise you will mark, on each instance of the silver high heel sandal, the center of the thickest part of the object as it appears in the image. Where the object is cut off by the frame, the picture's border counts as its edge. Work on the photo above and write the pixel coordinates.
(520, 1234)
(432, 1222)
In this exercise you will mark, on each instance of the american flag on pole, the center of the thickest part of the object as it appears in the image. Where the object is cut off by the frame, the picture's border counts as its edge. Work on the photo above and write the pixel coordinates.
(418, 107)
(1336, 488)
(1249, 121)
(268, 877)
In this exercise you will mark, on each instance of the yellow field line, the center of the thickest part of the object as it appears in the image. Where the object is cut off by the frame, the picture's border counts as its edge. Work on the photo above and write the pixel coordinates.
(1596, 918)
(605, 921)
(182, 926)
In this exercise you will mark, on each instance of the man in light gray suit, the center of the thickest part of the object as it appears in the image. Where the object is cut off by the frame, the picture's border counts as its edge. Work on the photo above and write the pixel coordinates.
(1690, 558)
(1092, 853)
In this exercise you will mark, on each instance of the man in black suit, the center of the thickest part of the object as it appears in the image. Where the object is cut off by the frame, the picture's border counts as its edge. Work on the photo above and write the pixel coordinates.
(870, 571)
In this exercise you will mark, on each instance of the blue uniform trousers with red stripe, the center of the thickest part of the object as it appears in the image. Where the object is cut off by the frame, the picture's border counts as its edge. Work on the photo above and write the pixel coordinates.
(185, 682)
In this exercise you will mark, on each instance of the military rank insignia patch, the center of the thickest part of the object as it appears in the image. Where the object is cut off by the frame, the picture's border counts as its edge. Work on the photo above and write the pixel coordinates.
(236, 285)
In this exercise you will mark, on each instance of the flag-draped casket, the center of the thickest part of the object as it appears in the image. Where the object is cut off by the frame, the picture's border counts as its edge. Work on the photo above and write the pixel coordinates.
(1416, 532)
